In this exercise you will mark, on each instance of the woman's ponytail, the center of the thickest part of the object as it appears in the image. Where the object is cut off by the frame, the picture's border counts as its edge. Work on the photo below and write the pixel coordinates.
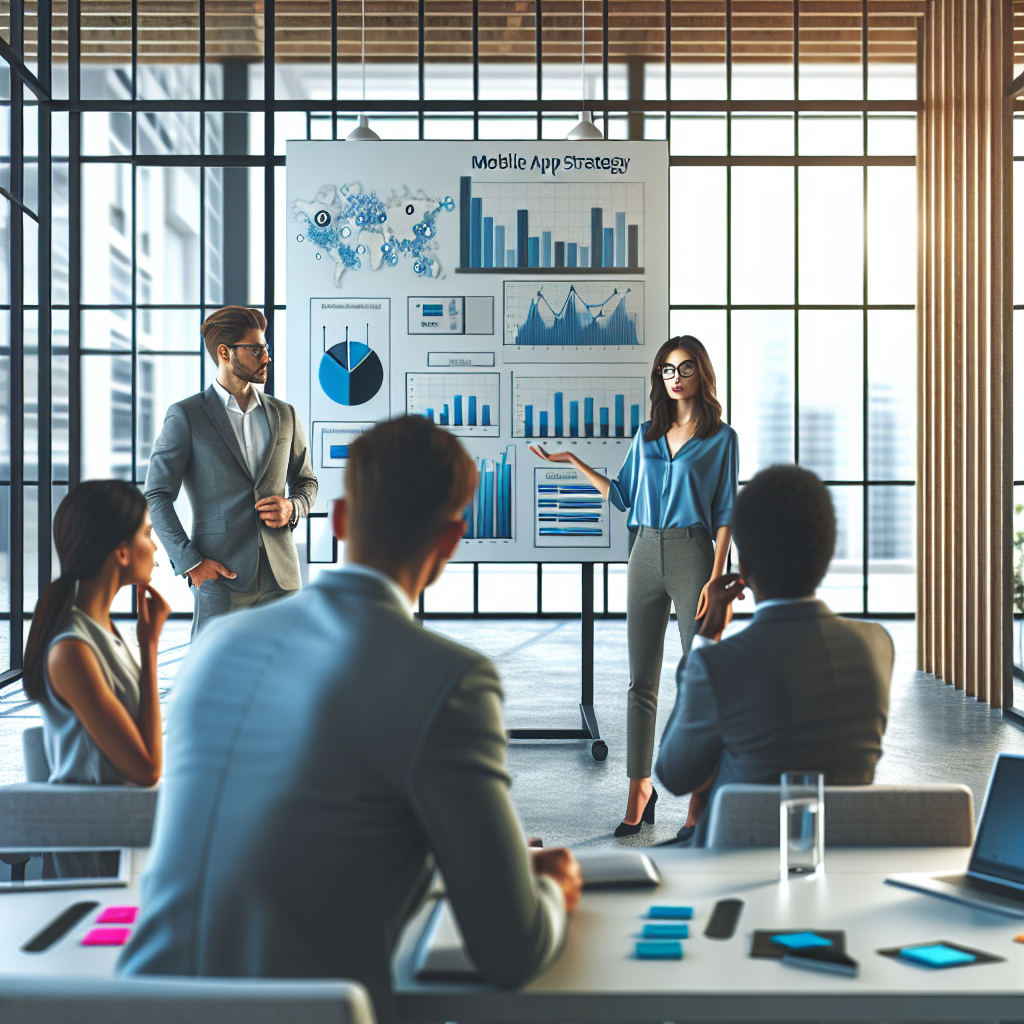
(94, 519)
(51, 610)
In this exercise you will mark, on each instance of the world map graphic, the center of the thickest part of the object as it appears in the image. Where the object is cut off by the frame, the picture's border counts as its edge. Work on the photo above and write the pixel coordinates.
(357, 228)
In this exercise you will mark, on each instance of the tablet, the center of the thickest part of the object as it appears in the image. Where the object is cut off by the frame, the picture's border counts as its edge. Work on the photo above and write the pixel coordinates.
(64, 868)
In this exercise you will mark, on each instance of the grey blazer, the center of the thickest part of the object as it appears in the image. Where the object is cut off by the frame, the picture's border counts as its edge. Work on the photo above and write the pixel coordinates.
(800, 689)
(322, 753)
(198, 448)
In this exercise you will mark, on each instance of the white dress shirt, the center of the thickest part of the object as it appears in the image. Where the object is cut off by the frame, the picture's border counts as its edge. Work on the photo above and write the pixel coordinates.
(251, 426)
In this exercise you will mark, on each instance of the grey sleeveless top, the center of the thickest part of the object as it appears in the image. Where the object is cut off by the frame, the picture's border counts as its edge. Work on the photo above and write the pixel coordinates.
(71, 752)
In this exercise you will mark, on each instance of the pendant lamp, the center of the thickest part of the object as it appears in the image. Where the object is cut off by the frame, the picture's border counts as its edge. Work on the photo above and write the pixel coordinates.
(585, 130)
(362, 131)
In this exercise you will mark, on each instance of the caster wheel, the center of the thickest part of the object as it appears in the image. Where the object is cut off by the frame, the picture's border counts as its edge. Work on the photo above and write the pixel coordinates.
(599, 749)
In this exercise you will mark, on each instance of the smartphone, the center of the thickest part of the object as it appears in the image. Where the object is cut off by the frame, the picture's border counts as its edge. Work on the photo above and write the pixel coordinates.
(823, 958)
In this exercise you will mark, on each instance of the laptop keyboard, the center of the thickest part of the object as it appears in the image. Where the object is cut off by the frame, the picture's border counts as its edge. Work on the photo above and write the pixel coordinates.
(992, 888)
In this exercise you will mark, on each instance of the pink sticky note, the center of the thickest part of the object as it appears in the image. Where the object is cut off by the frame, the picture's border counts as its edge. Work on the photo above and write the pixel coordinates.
(118, 915)
(106, 937)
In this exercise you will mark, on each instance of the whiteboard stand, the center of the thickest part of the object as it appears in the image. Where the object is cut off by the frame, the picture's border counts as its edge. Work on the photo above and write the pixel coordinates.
(590, 730)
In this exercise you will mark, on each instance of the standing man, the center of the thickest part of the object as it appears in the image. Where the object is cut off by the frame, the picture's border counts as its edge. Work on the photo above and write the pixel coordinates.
(234, 449)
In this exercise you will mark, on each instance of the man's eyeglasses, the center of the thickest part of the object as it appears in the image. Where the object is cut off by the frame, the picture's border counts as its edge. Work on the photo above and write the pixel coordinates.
(256, 350)
(684, 369)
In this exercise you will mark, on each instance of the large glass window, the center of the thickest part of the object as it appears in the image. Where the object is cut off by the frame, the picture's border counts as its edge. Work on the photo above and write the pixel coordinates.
(141, 185)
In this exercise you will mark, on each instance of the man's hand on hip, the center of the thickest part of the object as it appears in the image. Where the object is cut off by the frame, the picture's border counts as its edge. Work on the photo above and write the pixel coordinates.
(275, 511)
(209, 569)
(563, 869)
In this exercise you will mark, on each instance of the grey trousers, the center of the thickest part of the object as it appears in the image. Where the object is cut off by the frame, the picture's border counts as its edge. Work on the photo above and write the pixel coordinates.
(664, 566)
(215, 597)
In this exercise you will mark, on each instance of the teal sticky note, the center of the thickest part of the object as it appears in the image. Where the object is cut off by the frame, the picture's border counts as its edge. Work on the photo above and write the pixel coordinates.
(666, 931)
(801, 940)
(671, 913)
(659, 950)
(937, 956)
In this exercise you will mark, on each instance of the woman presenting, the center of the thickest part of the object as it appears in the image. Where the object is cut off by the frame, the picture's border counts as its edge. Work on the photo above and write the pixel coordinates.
(678, 484)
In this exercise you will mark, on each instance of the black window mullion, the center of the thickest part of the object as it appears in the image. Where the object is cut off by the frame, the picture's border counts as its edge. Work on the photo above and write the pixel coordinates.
(421, 56)
(334, 67)
(865, 402)
(269, 182)
(538, 42)
(45, 370)
(796, 314)
(74, 247)
(476, 69)
(16, 575)
(604, 58)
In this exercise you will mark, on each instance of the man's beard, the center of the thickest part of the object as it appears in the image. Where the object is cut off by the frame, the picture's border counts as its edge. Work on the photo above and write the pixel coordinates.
(250, 376)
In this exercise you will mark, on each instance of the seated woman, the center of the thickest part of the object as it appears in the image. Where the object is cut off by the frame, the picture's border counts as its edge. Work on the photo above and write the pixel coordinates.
(100, 706)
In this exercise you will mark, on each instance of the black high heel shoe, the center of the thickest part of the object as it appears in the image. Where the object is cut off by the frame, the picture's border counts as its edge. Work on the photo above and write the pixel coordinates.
(648, 817)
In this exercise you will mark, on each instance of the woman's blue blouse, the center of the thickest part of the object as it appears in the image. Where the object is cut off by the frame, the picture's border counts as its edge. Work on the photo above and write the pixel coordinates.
(697, 487)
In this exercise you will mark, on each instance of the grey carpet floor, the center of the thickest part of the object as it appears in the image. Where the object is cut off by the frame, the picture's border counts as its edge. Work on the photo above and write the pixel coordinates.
(563, 795)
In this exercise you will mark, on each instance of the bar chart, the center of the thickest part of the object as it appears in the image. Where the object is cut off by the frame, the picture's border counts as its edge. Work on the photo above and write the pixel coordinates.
(490, 517)
(465, 403)
(565, 313)
(570, 511)
(576, 406)
(518, 227)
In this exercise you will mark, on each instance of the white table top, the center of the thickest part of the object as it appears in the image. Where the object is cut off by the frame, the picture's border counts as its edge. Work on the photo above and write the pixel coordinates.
(598, 979)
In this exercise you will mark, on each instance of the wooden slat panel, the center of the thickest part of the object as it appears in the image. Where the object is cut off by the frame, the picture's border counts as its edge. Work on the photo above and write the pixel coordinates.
(762, 30)
(965, 490)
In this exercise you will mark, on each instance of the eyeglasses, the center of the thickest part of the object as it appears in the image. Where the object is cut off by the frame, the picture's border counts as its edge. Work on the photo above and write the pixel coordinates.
(684, 369)
(256, 350)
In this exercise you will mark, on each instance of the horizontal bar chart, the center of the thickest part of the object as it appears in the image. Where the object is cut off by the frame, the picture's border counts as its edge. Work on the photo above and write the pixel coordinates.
(569, 510)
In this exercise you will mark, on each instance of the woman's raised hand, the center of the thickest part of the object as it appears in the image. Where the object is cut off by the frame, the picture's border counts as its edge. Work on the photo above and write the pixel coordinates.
(153, 613)
(552, 456)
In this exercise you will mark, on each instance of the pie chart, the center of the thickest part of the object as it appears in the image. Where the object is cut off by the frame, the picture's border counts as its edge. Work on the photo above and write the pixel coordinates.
(351, 373)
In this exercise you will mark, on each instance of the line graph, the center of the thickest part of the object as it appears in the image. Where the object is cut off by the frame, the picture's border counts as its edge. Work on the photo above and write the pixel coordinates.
(584, 314)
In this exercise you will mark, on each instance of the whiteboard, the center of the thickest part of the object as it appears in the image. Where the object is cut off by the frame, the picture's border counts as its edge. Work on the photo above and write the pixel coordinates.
(513, 292)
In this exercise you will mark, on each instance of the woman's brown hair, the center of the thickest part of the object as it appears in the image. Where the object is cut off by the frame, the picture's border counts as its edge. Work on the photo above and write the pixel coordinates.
(95, 518)
(708, 407)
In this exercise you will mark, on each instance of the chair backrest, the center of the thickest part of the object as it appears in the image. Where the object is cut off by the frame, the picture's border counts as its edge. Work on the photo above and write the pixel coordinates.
(40, 814)
(925, 815)
(33, 754)
(48, 999)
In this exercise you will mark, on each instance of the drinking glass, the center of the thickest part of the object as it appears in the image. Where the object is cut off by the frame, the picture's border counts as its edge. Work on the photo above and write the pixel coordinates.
(801, 824)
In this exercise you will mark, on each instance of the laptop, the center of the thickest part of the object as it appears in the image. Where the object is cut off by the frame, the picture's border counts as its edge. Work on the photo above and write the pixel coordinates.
(994, 879)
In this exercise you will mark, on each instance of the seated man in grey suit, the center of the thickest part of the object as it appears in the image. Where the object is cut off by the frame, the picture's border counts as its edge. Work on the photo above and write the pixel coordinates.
(324, 752)
(800, 689)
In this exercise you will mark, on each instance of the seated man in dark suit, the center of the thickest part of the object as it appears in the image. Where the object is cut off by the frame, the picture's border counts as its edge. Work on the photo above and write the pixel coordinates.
(325, 751)
(800, 689)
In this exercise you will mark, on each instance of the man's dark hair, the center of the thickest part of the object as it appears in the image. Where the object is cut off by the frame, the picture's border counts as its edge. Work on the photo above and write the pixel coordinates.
(785, 530)
(229, 325)
(405, 479)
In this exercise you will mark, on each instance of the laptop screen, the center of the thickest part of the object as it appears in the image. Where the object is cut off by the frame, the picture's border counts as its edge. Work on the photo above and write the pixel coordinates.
(999, 845)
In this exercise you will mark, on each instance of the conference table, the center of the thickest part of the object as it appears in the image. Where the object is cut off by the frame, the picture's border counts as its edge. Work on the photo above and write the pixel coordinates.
(599, 979)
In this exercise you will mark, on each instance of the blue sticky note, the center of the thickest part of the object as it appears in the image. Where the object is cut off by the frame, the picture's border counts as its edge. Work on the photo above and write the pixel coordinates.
(659, 950)
(666, 931)
(801, 940)
(937, 956)
(671, 913)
